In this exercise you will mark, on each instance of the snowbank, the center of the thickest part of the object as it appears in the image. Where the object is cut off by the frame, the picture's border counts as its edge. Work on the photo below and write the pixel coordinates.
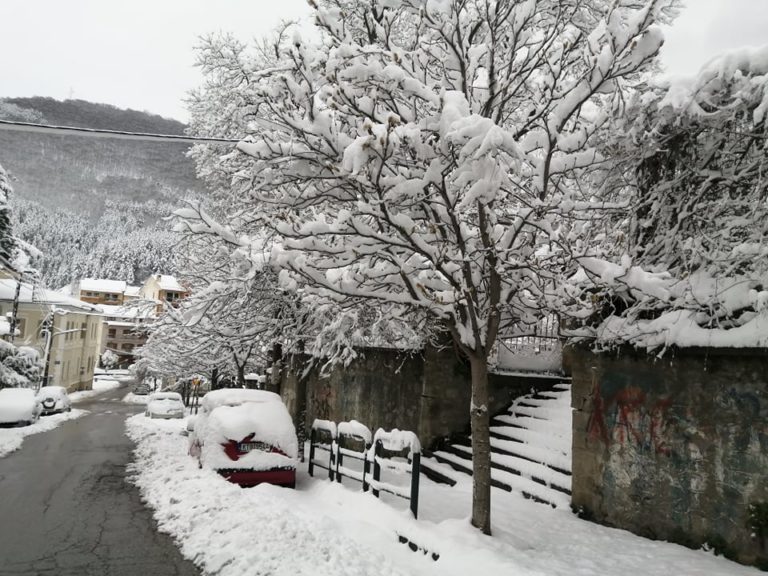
(325, 528)
(12, 438)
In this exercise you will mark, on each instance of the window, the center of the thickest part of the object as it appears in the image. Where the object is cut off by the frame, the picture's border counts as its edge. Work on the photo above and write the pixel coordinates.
(82, 330)
(111, 333)
(127, 347)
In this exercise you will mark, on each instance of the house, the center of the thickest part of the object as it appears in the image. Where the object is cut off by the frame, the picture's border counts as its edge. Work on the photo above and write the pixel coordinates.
(124, 329)
(100, 291)
(71, 347)
(131, 293)
(163, 288)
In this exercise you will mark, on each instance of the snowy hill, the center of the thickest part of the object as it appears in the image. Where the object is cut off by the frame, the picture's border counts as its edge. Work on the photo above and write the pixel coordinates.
(94, 207)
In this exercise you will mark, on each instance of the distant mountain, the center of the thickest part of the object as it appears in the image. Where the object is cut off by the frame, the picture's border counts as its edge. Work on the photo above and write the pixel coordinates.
(118, 188)
(79, 173)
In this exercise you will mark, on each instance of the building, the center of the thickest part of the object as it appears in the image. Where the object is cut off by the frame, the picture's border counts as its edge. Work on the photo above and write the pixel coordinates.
(71, 348)
(124, 329)
(163, 288)
(102, 291)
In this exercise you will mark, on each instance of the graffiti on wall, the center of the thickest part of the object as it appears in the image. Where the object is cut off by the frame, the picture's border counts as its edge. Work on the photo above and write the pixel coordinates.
(629, 416)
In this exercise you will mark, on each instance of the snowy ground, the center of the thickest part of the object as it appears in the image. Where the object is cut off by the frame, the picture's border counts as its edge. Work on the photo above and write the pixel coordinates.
(328, 529)
(12, 438)
(99, 386)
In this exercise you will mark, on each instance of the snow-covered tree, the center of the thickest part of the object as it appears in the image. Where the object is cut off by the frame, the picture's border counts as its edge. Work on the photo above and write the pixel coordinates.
(109, 360)
(438, 158)
(7, 240)
(235, 311)
(20, 367)
(691, 260)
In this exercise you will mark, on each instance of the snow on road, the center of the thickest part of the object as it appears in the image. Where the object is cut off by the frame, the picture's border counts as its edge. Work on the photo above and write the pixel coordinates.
(99, 385)
(12, 438)
(324, 528)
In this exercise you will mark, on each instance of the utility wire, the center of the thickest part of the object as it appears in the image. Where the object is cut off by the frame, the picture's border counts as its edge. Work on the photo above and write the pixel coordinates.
(99, 133)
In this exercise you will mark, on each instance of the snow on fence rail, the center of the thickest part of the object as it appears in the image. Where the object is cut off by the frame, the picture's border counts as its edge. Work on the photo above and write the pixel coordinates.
(376, 453)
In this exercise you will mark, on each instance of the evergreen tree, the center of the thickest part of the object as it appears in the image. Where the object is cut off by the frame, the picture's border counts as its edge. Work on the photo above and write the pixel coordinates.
(7, 241)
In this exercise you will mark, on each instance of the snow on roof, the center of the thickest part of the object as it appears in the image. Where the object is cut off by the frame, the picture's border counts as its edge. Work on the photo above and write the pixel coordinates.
(133, 290)
(235, 396)
(132, 311)
(37, 295)
(167, 282)
(102, 285)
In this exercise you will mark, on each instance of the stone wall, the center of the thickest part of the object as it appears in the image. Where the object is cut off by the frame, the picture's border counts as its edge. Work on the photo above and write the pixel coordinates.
(427, 392)
(674, 448)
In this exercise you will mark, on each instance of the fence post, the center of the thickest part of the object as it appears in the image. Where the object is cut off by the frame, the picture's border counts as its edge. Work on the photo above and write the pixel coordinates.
(415, 473)
(339, 459)
(376, 465)
(311, 466)
(332, 459)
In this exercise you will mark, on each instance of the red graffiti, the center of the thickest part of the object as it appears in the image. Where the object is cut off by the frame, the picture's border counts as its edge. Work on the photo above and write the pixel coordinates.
(627, 419)
(596, 428)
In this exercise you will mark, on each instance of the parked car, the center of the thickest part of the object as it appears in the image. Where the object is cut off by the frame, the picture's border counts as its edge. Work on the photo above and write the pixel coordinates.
(247, 436)
(165, 405)
(142, 389)
(19, 407)
(54, 399)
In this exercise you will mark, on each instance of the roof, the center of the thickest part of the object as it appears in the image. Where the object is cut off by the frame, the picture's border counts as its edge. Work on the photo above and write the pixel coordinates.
(35, 295)
(128, 312)
(101, 285)
(133, 290)
(167, 282)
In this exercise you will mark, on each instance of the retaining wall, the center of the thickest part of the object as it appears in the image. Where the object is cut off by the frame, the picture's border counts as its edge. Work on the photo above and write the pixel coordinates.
(674, 448)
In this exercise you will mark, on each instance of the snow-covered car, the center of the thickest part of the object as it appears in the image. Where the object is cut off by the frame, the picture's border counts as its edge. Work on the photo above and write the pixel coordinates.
(53, 400)
(19, 407)
(142, 389)
(165, 405)
(247, 436)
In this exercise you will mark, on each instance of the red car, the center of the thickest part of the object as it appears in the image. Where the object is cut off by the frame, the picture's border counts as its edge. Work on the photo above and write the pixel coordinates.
(247, 436)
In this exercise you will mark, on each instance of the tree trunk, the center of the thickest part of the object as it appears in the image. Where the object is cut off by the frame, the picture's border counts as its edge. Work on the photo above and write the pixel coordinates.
(215, 379)
(481, 446)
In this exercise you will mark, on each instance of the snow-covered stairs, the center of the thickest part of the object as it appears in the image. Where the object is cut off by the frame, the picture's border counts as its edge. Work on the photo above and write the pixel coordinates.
(530, 448)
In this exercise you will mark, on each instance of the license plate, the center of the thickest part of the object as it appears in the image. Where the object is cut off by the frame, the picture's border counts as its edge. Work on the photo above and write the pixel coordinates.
(248, 446)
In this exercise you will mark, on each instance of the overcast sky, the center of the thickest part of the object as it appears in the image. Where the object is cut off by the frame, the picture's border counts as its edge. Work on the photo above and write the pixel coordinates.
(138, 53)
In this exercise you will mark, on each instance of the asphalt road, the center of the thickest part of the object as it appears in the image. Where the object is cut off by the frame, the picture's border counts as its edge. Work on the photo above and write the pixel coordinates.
(66, 507)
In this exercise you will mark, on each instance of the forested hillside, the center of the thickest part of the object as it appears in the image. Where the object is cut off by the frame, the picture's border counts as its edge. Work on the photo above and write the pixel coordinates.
(94, 206)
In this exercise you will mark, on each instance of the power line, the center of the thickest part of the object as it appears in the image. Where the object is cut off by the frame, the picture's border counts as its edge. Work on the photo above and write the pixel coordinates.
(99, 133)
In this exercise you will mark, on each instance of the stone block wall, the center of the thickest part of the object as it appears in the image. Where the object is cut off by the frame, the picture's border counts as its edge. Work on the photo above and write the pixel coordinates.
(673, 448)
(427, 392)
